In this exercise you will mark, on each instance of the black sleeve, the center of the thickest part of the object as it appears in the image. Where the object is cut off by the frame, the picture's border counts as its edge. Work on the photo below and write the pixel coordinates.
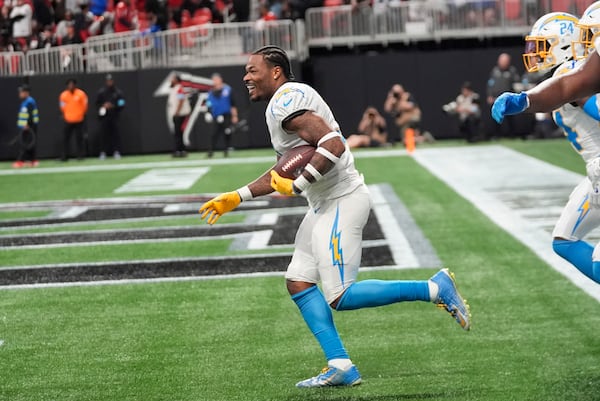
(100, 98)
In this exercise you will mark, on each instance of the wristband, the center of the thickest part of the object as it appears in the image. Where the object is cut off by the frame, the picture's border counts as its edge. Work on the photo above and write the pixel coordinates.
(300, 184)
(328, 136)
(332, 158)
(313, 171)
(245, 193)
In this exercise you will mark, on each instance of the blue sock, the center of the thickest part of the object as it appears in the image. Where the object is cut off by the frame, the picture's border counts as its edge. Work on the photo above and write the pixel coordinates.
(317, 315)
(596, 271)
(578, 253)
(370, 293)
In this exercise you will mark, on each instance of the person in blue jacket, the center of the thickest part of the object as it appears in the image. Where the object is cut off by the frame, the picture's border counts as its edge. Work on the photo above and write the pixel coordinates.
(222, 113)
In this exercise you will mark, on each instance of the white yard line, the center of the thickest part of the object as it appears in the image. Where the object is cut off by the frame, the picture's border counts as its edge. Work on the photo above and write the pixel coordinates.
(402, 252)
(73, 168)
(495, 179)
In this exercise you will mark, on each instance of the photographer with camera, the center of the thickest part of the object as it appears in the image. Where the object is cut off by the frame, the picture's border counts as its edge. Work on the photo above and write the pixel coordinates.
(467, 110)
(406, 113)
(371, 130)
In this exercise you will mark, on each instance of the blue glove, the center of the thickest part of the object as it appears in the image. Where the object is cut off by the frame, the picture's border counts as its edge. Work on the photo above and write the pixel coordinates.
(509, 103)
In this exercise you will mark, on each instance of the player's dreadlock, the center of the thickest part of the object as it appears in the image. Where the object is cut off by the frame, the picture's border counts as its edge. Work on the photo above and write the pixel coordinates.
(277, 57)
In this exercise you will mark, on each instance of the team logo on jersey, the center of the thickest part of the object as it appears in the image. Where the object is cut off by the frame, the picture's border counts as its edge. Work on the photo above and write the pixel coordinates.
(335, 246)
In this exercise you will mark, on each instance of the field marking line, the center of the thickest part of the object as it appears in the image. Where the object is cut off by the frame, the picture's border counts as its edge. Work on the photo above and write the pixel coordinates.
(181, 163)
(493, 178)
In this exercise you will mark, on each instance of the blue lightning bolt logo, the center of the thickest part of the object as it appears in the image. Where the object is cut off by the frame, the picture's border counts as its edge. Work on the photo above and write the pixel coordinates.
(335, 246)
(583, 210)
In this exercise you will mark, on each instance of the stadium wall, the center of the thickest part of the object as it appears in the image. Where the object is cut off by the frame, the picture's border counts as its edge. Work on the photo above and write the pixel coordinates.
(349, 81)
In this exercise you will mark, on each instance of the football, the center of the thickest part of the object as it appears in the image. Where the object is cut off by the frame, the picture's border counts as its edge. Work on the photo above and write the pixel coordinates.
(291, 163)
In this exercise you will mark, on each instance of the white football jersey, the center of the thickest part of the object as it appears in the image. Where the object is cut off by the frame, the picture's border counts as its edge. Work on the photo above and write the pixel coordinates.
(295, 97)
(582, 131)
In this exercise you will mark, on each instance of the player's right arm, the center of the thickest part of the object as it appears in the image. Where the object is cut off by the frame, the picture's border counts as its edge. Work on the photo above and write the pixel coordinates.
(579, 83)
(552, 93)
(226, 202)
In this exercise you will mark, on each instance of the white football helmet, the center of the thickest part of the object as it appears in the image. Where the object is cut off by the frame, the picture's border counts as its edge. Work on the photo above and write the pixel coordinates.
(549, 42)
(589, 27)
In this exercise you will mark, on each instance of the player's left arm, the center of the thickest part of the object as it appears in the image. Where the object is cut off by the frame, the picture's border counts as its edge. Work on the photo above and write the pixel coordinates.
(317, 132)
(226, 202)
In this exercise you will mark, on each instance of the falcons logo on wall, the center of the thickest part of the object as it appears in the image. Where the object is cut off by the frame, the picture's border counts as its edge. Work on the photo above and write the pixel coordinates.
(193, 85)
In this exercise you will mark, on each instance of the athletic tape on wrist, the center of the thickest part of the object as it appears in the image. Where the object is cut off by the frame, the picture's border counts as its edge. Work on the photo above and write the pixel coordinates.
(328, 136)
(245, 193)
(300, 183)
(333, 158)
(313, 171)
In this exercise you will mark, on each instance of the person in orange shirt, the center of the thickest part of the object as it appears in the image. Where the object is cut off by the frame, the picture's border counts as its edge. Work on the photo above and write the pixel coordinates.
(73, 105)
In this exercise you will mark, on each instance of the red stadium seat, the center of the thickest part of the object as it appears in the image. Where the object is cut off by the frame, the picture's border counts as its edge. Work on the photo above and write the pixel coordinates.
(512, 9)
(562, 5)
(333, 3)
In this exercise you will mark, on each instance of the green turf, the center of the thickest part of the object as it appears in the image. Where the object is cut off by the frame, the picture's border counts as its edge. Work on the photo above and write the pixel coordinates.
(534, 334)
(11, 215)
(175, 221)
(115, 252)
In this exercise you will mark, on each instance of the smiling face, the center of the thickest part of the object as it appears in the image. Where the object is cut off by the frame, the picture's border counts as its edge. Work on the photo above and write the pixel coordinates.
(262, 79)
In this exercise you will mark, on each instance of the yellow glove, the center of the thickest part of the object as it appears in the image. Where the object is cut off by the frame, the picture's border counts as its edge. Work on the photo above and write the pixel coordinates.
(216, 207)
(282, 185)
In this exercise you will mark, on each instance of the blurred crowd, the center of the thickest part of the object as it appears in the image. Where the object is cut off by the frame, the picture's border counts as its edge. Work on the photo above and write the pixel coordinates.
(36, 24)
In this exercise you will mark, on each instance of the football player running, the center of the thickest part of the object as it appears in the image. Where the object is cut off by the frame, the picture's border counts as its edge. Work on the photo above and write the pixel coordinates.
(569, 40)
(328, 241)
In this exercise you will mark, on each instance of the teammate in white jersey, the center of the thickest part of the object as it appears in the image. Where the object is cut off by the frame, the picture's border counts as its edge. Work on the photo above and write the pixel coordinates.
(328, 241)
(554, 92)
(548, 44)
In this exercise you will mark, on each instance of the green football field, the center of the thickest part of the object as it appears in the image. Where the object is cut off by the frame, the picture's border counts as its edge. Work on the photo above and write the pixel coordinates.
(534, 334)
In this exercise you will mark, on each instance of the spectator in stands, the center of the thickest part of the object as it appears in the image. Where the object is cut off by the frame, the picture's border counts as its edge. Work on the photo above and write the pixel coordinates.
(44, 39)
(466, 109)
(241, 9)
(71, 38)
(21, 17)
(103, 24)
(296, 9)
(123, 19)
(71, 5)
(109, 104)
(371, 130)
(43, 13)
(73, 105)
(5, 27)
(178, 110)
(222, 113)
(482, 13)
(83, 18)
(194, 5)
(503, 78)
(27, 123)
(274, 6)
(61, 27)
(98, 7)
(156, 8)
